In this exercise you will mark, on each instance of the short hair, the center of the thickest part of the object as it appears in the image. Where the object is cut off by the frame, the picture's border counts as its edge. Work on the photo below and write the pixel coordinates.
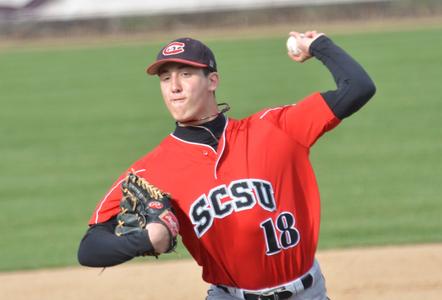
(206, 71)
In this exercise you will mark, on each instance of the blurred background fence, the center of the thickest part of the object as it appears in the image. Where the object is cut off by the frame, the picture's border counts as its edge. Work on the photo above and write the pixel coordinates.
(43, 18)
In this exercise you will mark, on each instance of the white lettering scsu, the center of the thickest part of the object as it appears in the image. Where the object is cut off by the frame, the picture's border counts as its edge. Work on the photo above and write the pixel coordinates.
(223, 200)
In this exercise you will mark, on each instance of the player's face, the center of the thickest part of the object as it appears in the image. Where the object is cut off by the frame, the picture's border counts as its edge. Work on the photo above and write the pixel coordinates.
(187, 92)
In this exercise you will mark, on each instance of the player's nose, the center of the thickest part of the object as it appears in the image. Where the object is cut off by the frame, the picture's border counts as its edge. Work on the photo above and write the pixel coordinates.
(175, 84)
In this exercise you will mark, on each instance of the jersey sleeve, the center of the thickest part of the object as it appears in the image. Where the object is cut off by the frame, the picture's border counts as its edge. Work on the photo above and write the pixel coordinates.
(109, 205)
(304, 121)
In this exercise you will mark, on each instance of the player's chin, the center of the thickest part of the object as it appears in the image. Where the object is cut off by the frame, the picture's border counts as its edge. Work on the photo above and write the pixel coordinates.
(184, 114)
(182, 118)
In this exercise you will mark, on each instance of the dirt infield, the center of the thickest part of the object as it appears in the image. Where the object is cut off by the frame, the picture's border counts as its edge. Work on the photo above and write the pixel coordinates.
(407, 272)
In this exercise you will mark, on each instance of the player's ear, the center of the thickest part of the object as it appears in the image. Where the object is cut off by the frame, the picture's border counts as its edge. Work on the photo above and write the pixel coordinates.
(213, 81)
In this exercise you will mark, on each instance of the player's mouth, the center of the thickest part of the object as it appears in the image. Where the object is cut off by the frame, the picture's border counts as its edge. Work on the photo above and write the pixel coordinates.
(178, 100)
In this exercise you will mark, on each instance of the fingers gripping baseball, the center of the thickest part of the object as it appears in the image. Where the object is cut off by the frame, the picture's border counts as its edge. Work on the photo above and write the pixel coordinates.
(144, 204)
(302, 42)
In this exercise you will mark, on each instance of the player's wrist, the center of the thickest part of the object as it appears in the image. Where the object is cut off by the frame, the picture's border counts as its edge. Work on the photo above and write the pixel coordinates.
(316, 47)
(158, 236)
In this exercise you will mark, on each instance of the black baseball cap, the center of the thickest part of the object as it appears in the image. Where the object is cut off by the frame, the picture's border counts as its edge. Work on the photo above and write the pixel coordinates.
(186, 51)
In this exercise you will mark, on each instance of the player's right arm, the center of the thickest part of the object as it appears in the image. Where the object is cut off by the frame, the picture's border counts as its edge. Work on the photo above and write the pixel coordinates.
(308, 119)
(354, 85)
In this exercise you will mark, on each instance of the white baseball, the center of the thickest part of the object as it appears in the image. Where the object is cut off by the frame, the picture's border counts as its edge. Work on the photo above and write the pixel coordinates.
(292, 46)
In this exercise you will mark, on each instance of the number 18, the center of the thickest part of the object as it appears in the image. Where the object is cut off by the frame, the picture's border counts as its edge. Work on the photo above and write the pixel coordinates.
(288, 234)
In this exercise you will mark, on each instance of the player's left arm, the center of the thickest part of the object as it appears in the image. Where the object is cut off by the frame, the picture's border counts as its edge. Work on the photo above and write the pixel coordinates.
(354, 85)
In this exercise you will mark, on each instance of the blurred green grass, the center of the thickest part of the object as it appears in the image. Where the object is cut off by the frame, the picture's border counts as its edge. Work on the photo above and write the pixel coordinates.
(73, 119)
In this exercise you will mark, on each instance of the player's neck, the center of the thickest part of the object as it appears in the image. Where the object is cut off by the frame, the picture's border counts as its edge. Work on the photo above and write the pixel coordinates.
(207, 133)
(201, 121)
(198, 121)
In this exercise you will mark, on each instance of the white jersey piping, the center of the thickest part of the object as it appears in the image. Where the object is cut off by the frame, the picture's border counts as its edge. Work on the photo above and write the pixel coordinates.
(222, 150)
(272, 109)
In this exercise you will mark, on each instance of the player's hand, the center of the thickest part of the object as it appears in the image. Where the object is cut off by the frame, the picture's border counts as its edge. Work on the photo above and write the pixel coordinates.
(304, 40)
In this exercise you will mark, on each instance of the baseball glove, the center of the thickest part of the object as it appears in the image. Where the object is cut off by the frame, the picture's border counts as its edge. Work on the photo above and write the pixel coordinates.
(143, 203)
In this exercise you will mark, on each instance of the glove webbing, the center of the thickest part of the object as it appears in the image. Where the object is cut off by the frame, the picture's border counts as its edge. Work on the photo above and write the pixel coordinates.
(153, 191)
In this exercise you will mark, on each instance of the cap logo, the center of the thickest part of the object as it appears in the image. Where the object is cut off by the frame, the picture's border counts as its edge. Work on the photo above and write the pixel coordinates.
(173, 48)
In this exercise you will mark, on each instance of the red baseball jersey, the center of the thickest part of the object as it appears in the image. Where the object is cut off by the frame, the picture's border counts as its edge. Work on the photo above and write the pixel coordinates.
(249, 212)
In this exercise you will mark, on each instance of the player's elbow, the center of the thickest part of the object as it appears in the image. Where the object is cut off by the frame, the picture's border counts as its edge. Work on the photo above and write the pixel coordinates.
(362, 89)
(84, 256)
(89, 254)
(367, 89)
(84, 260)
(358, 93)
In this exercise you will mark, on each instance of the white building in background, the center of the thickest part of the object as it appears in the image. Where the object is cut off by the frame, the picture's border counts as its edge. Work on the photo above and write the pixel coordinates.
(14, 3)
(85, 9)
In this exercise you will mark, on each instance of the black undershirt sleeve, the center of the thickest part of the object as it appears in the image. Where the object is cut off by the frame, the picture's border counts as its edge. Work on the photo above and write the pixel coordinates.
(100, 247)
(354, 86)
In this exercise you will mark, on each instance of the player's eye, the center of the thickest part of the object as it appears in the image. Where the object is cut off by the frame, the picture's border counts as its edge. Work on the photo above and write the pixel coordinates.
(164, 77)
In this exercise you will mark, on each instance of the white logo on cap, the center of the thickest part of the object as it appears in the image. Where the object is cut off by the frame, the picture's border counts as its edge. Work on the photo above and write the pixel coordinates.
(173, 48)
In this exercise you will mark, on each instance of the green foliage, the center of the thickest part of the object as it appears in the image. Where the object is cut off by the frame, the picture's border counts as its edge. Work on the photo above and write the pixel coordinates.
(68, 115)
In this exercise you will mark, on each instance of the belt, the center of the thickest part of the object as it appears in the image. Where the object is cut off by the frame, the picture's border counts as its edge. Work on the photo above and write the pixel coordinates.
(280, 293)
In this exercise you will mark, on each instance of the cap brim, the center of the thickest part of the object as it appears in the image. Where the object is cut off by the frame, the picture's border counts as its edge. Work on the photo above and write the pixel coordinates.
(153, 68)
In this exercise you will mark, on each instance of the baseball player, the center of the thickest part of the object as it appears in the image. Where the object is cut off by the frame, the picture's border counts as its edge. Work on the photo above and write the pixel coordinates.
(243, 191)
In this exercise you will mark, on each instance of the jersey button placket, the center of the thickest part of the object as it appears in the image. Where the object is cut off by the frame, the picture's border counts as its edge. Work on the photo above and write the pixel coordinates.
(208, 155)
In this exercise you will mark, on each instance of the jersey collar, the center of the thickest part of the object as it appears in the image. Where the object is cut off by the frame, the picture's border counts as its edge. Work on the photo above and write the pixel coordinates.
(211, 134)
(208, 133)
